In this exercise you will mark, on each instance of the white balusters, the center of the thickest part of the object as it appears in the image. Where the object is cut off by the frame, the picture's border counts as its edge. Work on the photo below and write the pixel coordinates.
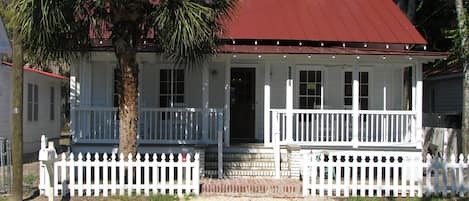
(156, 125)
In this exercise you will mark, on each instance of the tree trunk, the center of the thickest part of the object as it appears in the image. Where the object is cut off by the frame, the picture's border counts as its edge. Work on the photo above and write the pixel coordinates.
(17, 118)
(128, 95)
(462, 26)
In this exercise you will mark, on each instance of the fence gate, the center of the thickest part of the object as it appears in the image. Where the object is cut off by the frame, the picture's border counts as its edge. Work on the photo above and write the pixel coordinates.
(5, 165)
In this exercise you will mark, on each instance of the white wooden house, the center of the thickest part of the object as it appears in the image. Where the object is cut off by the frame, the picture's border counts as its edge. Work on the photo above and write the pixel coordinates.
(323, 76)
(41, 105)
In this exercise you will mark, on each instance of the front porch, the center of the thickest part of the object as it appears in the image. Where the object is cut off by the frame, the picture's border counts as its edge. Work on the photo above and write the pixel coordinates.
(330, 101)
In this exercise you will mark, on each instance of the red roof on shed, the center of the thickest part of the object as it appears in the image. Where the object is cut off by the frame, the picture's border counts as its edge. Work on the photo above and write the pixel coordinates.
(373, 21)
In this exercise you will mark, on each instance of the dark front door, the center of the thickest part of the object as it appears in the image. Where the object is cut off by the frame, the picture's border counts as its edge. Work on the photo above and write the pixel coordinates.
(242, 104)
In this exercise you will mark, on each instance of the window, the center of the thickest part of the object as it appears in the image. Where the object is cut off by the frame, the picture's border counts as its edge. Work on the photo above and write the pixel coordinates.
(33, 100)
(364, 86)
(176, 95)
(310, 89)
(52, 104)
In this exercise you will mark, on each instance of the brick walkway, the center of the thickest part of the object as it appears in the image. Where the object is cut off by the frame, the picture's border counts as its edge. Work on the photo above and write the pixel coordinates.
(282, 188)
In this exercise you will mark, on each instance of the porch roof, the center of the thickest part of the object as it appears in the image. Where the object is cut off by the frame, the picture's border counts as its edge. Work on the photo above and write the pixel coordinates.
(272, 49)
(37, 71)
(368, 21)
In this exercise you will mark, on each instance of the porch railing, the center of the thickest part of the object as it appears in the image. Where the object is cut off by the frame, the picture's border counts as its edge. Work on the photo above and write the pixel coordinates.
(156, 125)
(386, 127)
(335, 127)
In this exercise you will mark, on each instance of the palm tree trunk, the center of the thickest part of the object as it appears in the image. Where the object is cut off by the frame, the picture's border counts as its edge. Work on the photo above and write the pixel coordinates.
(462, 26)
(128, 96)
(17, 118)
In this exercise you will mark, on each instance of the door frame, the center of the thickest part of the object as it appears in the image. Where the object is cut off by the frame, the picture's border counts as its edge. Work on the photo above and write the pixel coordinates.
(256, 93)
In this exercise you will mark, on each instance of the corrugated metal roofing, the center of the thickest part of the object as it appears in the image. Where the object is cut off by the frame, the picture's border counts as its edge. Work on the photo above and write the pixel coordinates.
(373, 21)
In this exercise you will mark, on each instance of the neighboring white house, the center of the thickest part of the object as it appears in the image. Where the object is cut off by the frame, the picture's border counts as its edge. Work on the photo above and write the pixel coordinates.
(41, 105)
(319, 75)
(443, 89)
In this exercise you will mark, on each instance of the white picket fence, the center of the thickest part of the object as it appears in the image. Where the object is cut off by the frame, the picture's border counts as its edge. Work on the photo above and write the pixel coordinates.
(104, 175)
(383, 175)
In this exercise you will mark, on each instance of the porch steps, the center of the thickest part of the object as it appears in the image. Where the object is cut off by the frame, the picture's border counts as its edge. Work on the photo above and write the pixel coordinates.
(285, 188)
(246, 162)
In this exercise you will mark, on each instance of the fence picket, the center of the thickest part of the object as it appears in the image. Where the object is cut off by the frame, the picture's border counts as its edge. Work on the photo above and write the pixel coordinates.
(96, 174)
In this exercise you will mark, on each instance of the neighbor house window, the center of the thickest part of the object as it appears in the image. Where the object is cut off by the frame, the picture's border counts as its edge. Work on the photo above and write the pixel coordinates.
(310, 89)
(52, 103)
(364, 87)
(174, 78)
(33, 100)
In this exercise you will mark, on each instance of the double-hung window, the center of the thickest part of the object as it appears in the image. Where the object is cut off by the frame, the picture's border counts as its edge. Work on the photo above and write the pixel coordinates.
(33, 100)
(171, 87)
(364, 89)
(310, 89)
(52, 104)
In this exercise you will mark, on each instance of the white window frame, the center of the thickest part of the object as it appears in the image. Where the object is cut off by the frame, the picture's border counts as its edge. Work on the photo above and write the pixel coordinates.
(52, 103)
(32, 102)
(172, 94)
(370, 85)
(306, 67)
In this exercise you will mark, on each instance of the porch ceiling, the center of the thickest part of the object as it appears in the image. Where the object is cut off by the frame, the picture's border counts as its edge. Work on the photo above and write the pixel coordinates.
(272, 49)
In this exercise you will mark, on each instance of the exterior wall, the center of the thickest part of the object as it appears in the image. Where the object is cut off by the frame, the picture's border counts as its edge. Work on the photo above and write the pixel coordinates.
(5, 101)
(32, 129)
(95, 76)
(443, 95)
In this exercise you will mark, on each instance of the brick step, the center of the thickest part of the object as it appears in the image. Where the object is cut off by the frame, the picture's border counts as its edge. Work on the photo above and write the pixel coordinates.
(245, 164)
(252, 187)
(246, 173)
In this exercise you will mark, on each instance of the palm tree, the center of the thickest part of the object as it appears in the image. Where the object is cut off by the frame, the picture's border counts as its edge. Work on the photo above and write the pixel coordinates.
(186, 33)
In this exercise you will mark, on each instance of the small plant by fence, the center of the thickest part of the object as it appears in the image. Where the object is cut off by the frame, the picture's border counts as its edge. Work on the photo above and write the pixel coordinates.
(378, 175)
(111, 174)
(5, 165)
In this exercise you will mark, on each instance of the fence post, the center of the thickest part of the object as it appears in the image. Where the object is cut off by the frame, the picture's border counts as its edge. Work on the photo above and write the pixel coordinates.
(220, 145)
(306, 175)
(196, 173)
(47, 157)
(43, 183)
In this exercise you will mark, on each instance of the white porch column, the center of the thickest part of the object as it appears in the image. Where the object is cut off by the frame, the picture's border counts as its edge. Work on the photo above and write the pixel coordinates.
(355, 105)
(74, 90)
(205, 102)
(289, 107)
(267, 104)
(419, 105)
(413, 123)
(227, 100)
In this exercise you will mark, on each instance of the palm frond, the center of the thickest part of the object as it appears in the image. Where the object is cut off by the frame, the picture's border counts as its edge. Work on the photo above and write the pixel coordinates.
(188, 29)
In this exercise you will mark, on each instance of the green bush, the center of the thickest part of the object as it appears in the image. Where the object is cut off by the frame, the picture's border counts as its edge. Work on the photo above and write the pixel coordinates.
(29, 179)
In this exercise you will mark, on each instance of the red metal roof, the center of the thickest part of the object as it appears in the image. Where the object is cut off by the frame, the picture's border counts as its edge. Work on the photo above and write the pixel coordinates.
(38, 71)
(373, 21)
(272, 49)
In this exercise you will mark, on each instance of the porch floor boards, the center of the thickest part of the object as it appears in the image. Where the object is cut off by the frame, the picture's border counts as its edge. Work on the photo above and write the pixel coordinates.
(285, 188)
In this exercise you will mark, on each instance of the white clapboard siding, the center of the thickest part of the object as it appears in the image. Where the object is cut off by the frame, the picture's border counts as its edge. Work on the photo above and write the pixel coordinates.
(105, 175)
(384, 175)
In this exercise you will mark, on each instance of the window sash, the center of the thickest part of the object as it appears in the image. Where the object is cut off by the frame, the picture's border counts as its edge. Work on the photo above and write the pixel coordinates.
(310, 89)
(364, 83)
(52, 103)
(171, 90)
